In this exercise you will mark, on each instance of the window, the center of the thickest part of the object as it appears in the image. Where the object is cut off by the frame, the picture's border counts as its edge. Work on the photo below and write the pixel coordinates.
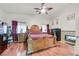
(21, 27)
(44, 28)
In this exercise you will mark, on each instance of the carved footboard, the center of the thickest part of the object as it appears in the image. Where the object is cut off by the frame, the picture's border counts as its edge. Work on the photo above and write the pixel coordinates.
(39, 43)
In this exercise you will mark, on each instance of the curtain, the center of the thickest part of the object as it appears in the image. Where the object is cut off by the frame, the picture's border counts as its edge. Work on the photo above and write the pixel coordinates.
(14, 30)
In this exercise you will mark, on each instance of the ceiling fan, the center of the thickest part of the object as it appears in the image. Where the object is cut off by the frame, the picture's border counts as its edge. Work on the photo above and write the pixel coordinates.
(43, 9)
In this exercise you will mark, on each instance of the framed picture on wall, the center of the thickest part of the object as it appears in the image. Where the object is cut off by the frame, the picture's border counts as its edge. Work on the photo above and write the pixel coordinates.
(71, 16)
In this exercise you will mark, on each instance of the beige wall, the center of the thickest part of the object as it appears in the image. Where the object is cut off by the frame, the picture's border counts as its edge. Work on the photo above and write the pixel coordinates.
(63, 23)
(40, 19)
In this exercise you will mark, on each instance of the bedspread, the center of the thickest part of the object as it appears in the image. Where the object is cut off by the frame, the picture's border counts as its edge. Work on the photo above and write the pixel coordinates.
(40, 35)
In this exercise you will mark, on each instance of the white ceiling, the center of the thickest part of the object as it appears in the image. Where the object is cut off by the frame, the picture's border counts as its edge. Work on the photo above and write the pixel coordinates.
(28, 8)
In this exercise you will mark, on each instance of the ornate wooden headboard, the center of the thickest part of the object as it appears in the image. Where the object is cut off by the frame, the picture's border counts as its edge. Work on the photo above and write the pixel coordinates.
(34, 28)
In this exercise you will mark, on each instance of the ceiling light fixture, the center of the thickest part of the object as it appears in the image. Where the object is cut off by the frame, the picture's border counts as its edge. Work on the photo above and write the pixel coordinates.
(43, 9)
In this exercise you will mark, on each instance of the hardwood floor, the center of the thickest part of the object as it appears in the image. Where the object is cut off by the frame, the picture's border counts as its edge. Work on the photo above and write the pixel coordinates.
(60, 49)
(14, 49)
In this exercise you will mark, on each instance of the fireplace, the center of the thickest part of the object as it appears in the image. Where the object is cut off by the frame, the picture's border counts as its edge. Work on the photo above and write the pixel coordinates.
(70, 39)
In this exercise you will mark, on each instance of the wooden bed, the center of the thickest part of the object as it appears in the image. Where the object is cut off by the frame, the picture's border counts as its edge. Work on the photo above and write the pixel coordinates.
(38, 40)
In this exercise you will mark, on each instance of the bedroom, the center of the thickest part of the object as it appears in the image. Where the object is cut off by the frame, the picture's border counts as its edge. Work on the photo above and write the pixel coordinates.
(22, 18)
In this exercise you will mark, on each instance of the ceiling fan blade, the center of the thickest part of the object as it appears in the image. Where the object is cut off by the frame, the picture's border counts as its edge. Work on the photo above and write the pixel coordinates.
(42, 5)
(37, 9)
(49, 9)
